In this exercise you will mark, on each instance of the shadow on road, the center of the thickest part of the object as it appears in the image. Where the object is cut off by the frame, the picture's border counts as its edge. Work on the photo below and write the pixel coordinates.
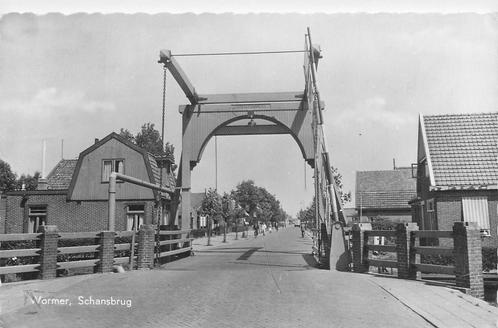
(311, 261)
(248, 254)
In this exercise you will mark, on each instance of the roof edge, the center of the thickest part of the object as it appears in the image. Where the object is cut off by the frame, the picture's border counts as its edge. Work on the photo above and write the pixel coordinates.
(426, 147)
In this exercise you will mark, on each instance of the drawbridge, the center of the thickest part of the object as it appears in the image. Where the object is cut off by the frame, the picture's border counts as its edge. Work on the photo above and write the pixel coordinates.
(296, 113)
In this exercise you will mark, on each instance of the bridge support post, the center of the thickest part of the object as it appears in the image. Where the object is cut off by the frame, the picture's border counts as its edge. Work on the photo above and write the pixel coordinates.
(405, 247)
(106, 252)
(48, 251)
(468, 257)
(360, 241)
(146, 243)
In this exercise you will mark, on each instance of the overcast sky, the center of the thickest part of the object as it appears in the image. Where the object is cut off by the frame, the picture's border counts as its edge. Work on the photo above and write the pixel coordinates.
(80, 77)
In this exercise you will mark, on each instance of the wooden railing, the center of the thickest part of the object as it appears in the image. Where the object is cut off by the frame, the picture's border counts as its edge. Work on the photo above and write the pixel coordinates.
(8, 255)
(76, 250)
(432, 250)
(380, 263)
(465, 252)
(174, 245)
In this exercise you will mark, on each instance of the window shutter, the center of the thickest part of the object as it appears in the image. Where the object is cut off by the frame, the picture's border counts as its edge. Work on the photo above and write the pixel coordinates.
(475, 209)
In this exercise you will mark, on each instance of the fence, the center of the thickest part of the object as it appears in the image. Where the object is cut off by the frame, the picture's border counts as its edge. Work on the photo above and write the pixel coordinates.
(466, 252)
(97, 251)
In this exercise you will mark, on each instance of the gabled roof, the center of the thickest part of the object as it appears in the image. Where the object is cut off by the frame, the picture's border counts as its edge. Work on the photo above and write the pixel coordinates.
(60, 176)
(153, 170)
(462, 149)
(390, 189)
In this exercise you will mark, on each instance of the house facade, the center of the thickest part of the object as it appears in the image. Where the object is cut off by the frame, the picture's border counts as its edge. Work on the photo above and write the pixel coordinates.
(457, 173)
(74, 195)
(385, 194)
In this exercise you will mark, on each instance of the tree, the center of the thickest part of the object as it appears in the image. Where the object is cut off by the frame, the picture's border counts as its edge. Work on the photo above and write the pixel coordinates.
(30, 182)
(258, 202)
(212, 204)
(345, 196)
(7, 177)
(149, 139)
(125, 133)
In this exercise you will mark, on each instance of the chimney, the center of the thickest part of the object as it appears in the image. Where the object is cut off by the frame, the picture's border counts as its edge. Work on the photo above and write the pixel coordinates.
(96, 140)
(42, 184)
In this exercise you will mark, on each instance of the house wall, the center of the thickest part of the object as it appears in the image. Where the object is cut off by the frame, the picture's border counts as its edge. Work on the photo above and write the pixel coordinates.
(70, 216)
(449, 210)
(89, 185)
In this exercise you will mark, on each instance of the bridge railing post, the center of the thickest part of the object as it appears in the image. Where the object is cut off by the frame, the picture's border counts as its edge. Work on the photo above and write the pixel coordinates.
(359, 247)
(146, 243)
(48, 251)
(468, 257)
(405, 250)
(106, 252)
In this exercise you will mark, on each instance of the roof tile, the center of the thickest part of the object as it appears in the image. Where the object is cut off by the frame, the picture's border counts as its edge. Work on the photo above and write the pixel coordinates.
(463, 148)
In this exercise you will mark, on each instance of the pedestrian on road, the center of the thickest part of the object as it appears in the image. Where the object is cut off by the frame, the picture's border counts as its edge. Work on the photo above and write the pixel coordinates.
(303, 228)
(256, 228)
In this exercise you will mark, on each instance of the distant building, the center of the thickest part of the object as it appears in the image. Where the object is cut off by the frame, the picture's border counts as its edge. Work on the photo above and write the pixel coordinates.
(457, 176)
(197, 220)
(385, 194)
(350, 215)
(75, 193)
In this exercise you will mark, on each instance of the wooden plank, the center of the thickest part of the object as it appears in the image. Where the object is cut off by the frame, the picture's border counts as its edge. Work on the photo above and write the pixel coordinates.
(433, 234)
(432, 268)
(261, 97)
(382, 263)
(296, 105)
(429, 250)
(78, 249)
(122, 247)
(175, 241)
(122, 234)
(173, 232)
(382, 248)
(19, 268)
(181, 78)
(251, 130)
(121, 260)
(19, 236)
(380, 233)
(77, 264)
(19, 252)
(176, 251)
(79, 235)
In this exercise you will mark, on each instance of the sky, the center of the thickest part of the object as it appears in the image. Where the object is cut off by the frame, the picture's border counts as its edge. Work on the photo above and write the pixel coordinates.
(77, 77)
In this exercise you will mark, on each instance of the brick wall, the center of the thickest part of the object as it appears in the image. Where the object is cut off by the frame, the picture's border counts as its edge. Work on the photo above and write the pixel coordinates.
(69, 216)
(449, 210)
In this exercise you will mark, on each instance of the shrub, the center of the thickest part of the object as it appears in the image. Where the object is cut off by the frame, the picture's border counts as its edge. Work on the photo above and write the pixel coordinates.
(489, 259)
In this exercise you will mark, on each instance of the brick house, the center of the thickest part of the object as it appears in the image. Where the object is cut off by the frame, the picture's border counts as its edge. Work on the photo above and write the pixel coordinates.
(385, 194)
(457, 172)
(74, 194)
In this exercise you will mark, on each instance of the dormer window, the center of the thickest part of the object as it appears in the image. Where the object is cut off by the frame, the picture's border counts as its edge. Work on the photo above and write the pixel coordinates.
(111, 165)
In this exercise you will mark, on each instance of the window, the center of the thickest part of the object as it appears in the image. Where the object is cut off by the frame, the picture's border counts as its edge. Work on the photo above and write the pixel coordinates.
(134, 217)
(37, 217)
(430, 205)
(202, 221)
(111, 165)
(475, 209)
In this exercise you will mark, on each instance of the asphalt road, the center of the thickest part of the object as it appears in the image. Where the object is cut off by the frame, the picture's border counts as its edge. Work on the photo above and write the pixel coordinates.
(269, 281)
